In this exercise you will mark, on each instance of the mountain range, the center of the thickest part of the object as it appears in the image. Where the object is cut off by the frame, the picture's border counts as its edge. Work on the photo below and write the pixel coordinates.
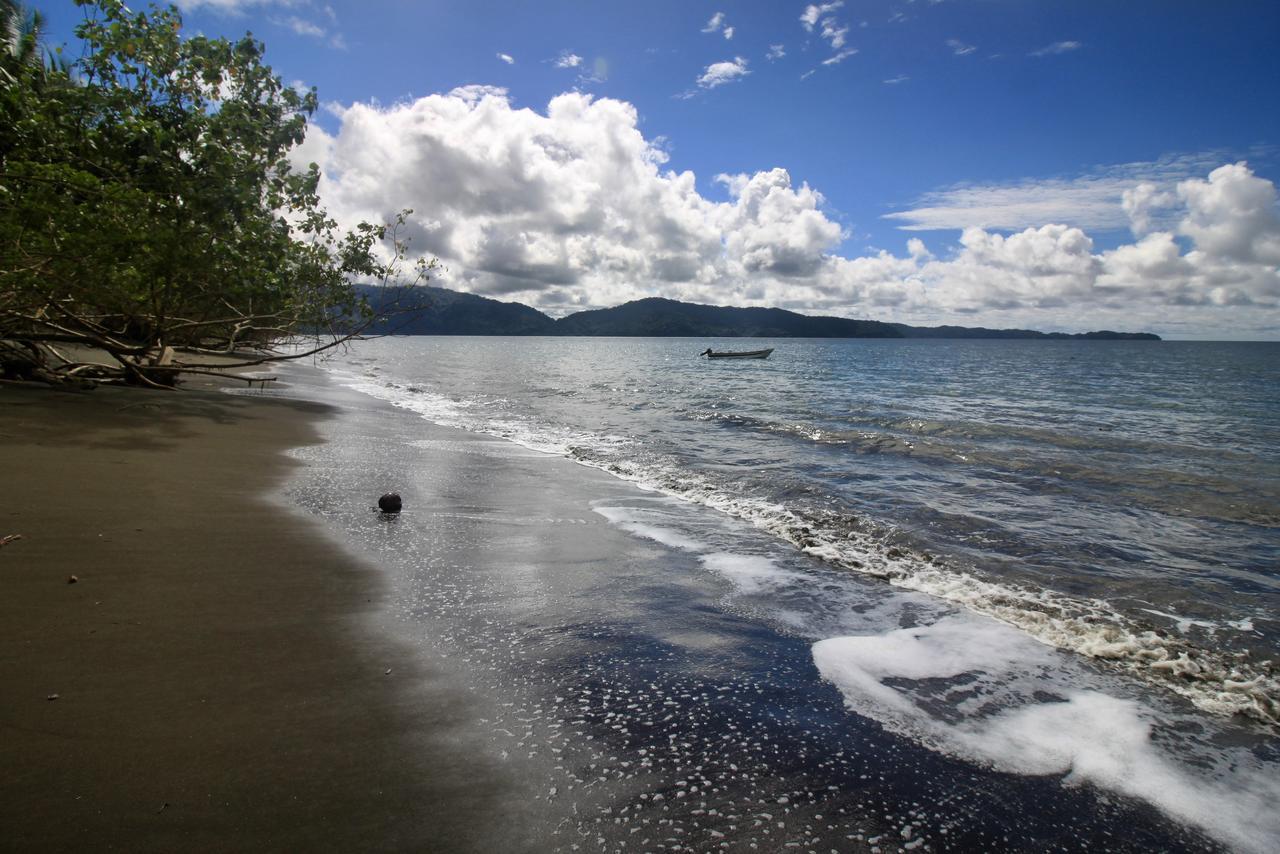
(437, 311)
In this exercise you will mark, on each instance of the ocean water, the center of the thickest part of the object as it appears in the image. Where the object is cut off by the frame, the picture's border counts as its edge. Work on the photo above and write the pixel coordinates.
(1050, 560)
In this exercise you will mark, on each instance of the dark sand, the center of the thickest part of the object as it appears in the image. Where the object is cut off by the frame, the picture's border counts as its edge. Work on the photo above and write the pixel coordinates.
(212, 681)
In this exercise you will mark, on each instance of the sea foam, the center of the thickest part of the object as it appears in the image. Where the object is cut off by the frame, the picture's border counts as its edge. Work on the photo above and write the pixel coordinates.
(992, 712)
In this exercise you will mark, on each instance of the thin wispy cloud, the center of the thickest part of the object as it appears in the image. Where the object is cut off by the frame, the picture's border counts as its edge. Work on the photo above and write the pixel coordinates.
(717, 25)
(507, 58)
(303, 27)
(776, 52)
(959, 48)
(893, 81)
(840, 57)
(1056, 48)
(228, 6)
(1093, 201)
(812, 13)
(302, 24)
(833, 32)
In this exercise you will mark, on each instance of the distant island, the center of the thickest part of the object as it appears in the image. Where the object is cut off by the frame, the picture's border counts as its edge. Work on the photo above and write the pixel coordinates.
(438, 311)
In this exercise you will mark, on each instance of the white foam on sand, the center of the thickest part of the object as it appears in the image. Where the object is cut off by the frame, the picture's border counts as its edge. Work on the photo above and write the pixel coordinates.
(989, 711)
(749, 573)
(631, 521)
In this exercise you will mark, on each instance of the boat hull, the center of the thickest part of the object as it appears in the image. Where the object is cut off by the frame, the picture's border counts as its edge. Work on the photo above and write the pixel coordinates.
(750, 354)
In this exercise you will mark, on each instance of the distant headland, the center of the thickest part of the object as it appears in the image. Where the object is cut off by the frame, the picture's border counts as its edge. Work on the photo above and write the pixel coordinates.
(438, 311)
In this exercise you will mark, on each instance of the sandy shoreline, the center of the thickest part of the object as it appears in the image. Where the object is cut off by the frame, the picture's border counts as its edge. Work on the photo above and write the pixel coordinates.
(216, 686)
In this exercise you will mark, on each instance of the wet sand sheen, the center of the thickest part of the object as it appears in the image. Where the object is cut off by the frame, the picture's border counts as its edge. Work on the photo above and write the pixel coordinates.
(218, 682)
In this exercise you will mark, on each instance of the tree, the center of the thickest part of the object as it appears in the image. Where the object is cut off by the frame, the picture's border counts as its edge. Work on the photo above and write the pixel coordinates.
(21, 31)
(148, 205)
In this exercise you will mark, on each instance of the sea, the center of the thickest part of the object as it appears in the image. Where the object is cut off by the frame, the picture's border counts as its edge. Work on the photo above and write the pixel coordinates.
(967, 594)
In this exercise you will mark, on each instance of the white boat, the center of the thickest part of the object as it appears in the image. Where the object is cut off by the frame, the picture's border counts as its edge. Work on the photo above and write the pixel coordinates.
(740, 354)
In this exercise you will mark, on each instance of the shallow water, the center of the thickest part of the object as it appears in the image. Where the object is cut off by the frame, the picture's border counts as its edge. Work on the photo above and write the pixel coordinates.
(1119, 499)
(890, 591)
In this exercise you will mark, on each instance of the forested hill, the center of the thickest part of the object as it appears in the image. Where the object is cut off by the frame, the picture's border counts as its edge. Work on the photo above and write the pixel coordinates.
(663, 317)
(437, 311)
(981, 332)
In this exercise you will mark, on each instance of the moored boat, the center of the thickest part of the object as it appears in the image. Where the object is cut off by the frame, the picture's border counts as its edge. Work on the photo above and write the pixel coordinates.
(739, 354)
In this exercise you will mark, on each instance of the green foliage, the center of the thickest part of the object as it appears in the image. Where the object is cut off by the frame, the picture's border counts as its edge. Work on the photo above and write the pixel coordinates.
(147, 198)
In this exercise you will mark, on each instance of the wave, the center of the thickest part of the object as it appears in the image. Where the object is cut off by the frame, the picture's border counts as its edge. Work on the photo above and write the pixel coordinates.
(1217, 681)
(1140, 471)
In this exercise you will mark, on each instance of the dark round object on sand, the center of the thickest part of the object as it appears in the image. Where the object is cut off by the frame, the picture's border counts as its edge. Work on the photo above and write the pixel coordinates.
(389, 503)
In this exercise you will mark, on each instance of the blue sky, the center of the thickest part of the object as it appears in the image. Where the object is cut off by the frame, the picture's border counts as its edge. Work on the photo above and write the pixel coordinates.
(1062, 165)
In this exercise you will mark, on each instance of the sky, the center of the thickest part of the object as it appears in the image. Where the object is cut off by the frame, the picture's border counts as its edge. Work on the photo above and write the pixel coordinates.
(1051, 164)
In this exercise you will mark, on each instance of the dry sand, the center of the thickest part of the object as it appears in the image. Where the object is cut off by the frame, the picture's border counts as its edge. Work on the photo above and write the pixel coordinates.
(211, 680)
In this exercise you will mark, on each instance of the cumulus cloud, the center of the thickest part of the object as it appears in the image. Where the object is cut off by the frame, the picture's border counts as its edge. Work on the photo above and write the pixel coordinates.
(720, 73)
(1142, 202)
(571, 206)
(1056, 48)
(1232, 216)
(776, 52)
(568, 59)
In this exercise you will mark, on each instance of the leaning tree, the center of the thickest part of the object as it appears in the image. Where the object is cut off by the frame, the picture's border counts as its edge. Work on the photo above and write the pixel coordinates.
(150, 215)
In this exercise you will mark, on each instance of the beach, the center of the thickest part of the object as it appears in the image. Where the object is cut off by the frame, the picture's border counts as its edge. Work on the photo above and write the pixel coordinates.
(209, 681)
(536, 655)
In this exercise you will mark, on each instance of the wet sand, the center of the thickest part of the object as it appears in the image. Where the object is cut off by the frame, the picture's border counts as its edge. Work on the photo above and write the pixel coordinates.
(213, 679)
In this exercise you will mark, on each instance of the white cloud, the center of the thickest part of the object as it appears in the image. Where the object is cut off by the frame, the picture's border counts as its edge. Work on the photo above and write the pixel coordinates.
(719, 73)
(303, 27)
(1232, 216)
(832, 31)
(566, 59)
(959, 48)
(774, 228)
(1140, 203)
(1056, 48)
(893, 81)
(1094, 200)
(507, 58)
(839, 57)
(809, 18)
(717, 24)
(573, 206)
(776, 52)
(227, 6)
